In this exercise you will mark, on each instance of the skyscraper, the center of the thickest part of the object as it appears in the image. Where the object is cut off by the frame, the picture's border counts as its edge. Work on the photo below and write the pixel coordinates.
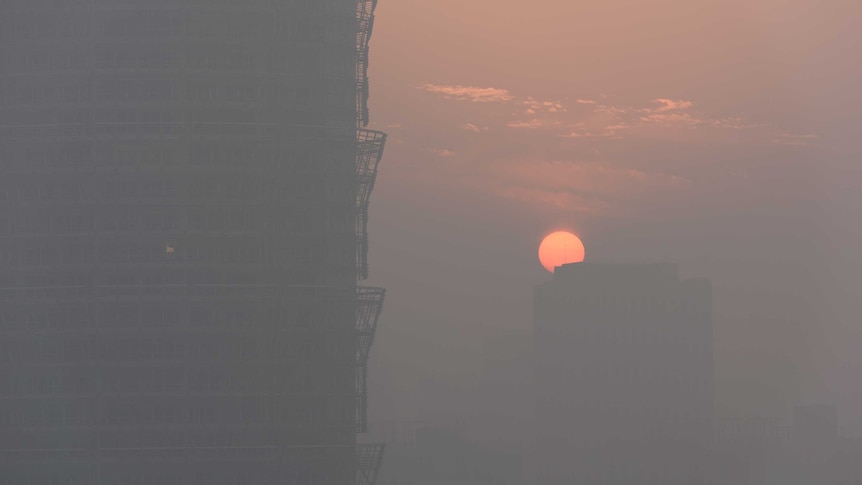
(622, 375)
(183, 206)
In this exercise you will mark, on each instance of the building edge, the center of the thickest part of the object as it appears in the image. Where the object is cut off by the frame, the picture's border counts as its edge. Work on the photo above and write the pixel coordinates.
(370, 145)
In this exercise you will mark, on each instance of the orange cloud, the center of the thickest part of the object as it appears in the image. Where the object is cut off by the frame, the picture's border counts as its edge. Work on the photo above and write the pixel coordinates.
(534, 123)
(672, 118)
(441, 152)
(470, 93)
(534, 106)
(671, 105)
(597, 119)
(588, 134)
(518, 166)
(671, 112)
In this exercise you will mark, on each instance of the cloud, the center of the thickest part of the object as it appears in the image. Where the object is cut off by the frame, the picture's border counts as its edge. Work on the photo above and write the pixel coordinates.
(662, 116)
(671, 112)
(562, 200)
(736, 124)
(597, 118)
(579, 186)
(655, 120)
(470, 93)
(474, 127)
(577, 133)
(671, 105)
(613, 110)
(594, 130)
(441, 152)
(600, 117)
(651, 143)
(539, 114)
(800, 140)
(534, 123)
(534, 106)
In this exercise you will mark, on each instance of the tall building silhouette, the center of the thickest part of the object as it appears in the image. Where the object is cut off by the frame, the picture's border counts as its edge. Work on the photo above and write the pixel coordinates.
(623, 376)
(183, 205)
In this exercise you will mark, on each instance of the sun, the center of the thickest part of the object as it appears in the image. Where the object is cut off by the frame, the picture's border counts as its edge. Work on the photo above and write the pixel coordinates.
(560, 248)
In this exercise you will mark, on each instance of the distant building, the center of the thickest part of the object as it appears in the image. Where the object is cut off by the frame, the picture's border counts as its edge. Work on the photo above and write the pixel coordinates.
(812, 448)
(183, 205)
(622, 376)
(434, 455)
(503, 394)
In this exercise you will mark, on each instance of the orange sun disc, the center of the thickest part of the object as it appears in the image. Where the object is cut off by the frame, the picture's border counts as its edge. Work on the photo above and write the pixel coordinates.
(560, 248)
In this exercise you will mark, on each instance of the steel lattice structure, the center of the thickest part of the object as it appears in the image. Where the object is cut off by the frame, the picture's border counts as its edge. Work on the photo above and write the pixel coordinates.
(370, 145)
(184, 191)
(370, 458)
(365, 19)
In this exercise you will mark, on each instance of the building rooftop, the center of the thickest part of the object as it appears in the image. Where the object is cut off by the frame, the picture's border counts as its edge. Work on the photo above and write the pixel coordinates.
(650, 271)
(620, 278)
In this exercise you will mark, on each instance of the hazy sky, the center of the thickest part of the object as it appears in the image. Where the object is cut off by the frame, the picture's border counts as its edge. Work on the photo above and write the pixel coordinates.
(722, 135)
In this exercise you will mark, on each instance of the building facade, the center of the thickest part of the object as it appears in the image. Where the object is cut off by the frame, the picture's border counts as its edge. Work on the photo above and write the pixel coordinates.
(810, 447)
(622, 376)
(183, 206)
